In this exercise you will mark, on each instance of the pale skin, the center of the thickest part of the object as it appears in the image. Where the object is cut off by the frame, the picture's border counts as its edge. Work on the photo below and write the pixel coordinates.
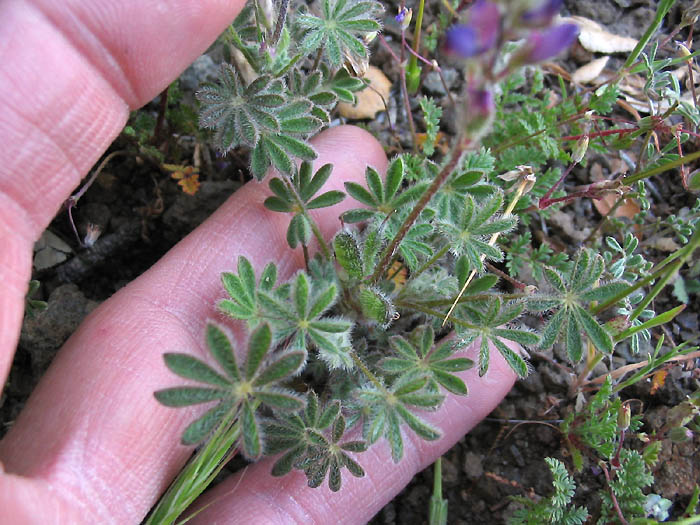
(92, 445)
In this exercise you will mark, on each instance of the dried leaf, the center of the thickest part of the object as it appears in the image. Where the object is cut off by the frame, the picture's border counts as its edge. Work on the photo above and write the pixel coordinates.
(657, 381)
(591, 71)
(187, 177)
(593, 37)
(369, 101)
(665, 244)
(49, 251)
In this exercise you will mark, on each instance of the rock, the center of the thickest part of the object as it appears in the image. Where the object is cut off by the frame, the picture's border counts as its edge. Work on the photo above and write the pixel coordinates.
(554, 378)
(44, 333)
(433, 84)
(189, 211)
(450, 472)
(202, 70)
(473, 466)
(370, 101)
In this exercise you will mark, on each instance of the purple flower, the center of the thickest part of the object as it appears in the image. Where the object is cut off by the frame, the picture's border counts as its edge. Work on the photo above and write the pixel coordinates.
(480, 35)
(547, 44)
(486, 17)
(543, 15)
(481, 102)
(462, 40)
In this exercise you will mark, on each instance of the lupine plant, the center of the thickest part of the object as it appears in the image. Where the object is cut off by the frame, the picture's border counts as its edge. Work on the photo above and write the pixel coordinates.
(370, 335)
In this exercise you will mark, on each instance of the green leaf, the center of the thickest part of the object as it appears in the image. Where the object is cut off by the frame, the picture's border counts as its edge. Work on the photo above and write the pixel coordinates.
(220, 347)
(324, 300)
(604, 292)
(252, 442)
(451, 383)
(284, 464)
(551, 331)
(258, 346)
(278, 157)
(394, 177)
(326, 199)
(277, 204)
(574, 346)
(359, 193)
(294, 147)
(181, 396)
(299, 231)
(357, 215)
(375, 306)
(285, 401)
(597, 334)
(316, 183)
(420, 427)
(483, 356)
(514, 360)
(287, 365)
(202, 427)
(189, 367)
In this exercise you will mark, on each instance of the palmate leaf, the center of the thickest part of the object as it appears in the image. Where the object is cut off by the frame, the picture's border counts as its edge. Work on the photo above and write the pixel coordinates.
(469, 229)
(339, 29)
(258, 381)
(383, 410)
(438, 366)
(243, 291)
(487, 319)
(299, 319)
(260, 116)
(569, 300)
(302, 195)
(382, 198)
(467, 179)
(312, 441)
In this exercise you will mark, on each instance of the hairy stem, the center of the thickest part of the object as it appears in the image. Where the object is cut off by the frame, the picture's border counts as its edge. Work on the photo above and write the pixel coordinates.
(314, 226)
(389, 251)
(281, 17)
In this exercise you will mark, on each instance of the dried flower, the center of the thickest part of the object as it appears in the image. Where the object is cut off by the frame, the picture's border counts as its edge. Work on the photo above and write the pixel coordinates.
(92, 233)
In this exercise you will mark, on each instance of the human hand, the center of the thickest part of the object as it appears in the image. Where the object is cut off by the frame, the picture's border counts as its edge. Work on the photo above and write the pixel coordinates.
(92, 444)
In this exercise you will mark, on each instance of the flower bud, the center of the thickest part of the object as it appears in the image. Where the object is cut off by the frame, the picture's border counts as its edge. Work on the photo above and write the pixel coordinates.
(624, 416)
(580, 149)
(477, 37)
(541, 16)
(546, 44)
(404, 18)
(680, 435)
(480, 109)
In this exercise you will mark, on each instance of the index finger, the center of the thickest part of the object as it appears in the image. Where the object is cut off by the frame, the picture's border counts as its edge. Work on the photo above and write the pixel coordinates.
(71, 72)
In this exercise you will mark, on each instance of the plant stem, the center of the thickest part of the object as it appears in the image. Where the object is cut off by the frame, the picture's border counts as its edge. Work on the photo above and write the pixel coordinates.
(650, 172)
(412, 70)
(438, 505)
(314, 226)
(366, 371)
(198, 473)
(72, 201)
(612, 494)
(404, 92)
(519, 193)
(389, 251)
(683, 254)
(281, 17)
(435, 313)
